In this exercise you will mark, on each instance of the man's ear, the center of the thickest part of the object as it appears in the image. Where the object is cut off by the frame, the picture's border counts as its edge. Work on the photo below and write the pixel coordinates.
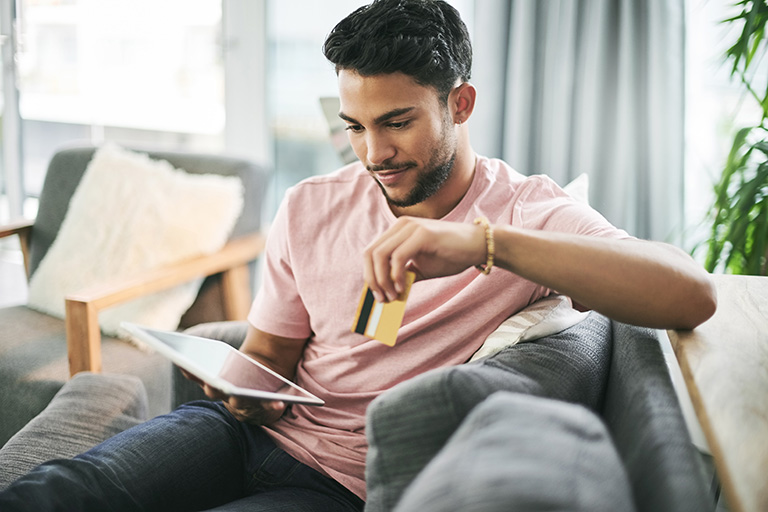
(462, 101)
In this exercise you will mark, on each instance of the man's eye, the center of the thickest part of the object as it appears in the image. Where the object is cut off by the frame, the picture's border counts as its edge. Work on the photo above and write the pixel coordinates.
(354, 128)
(399, 125)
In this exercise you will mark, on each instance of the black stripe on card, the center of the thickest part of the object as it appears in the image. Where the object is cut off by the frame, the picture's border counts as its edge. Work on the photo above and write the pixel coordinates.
(365, 312)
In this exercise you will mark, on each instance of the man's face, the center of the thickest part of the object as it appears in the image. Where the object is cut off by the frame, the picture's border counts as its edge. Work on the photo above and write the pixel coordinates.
(401, 132)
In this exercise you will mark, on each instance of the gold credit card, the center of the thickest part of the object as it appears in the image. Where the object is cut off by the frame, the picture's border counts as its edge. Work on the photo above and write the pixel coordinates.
(379, 320)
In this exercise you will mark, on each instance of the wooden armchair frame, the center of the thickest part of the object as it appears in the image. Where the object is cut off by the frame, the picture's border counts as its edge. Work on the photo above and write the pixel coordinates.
(23, 229)
(83, 307)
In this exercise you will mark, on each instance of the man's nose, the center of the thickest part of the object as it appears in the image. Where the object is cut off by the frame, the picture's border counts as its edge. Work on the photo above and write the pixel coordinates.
(379, 149)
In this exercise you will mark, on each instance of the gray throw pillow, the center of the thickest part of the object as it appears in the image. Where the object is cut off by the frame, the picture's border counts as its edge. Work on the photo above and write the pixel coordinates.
(521, 452)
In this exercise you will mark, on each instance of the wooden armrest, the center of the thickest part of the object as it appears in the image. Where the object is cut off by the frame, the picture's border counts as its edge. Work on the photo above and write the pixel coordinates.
(15, 228)
(82, 308)
(22, 228)
(723, 362)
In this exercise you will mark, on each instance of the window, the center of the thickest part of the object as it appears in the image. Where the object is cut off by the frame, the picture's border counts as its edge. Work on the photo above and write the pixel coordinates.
(141, 73)
(715, 109)
(180, 74)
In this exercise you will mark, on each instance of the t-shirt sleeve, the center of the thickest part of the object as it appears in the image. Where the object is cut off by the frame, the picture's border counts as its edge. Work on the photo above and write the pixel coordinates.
(277, 307)
(543, 205)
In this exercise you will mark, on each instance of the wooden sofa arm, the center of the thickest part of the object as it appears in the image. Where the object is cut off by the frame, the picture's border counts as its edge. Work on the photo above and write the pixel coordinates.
(723, 362)
(82, 308)
(23, 229)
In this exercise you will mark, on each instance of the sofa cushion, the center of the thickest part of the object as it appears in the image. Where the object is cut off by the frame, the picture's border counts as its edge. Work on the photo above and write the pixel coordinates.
(87, 410)
(519, 452)
(408, 425)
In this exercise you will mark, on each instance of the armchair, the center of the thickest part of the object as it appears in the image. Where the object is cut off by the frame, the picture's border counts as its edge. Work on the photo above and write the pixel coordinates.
(39, 352)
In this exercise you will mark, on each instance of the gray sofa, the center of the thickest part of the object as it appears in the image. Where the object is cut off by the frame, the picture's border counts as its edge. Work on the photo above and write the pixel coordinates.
(633, 396)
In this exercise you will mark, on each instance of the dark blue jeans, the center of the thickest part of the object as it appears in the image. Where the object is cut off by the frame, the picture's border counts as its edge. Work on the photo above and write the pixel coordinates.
(198, 457)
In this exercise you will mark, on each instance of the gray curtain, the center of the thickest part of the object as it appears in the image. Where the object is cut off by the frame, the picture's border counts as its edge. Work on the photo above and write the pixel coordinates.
(588, 86)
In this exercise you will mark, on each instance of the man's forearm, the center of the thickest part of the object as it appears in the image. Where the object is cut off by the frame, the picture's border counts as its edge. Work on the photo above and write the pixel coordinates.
(278, 353)
(634, 281)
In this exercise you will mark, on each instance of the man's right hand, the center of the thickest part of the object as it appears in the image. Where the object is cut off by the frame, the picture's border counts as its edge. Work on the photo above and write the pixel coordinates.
(278, 353)
(247, 410)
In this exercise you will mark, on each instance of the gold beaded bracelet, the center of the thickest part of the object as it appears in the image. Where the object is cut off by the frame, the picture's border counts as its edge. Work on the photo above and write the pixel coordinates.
(490, 246)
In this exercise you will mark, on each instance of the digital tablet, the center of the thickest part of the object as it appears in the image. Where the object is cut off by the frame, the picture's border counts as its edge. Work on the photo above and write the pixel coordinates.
(222, 366)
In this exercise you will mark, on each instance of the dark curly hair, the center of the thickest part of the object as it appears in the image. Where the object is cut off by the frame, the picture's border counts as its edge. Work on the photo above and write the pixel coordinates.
(424, 39)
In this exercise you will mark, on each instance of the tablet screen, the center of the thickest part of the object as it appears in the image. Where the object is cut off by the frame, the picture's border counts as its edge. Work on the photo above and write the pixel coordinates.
(222, 366)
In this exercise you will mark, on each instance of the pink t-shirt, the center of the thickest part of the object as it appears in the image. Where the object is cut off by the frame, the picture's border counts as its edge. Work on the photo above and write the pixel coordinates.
(313, 278)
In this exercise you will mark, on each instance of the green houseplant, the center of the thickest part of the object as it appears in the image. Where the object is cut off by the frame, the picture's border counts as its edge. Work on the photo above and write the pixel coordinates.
(738, 242)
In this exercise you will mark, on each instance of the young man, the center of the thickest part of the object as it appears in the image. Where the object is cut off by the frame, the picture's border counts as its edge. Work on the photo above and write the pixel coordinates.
(410, 203)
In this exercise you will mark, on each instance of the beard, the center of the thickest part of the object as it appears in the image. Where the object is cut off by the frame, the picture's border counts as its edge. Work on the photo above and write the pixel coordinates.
(432, 178)
(427, 184)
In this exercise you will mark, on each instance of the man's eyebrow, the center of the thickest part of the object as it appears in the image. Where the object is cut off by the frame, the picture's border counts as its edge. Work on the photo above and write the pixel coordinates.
(382, 118)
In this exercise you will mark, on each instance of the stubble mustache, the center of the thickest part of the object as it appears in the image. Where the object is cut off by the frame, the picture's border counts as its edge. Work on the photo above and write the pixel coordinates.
(390, 167)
